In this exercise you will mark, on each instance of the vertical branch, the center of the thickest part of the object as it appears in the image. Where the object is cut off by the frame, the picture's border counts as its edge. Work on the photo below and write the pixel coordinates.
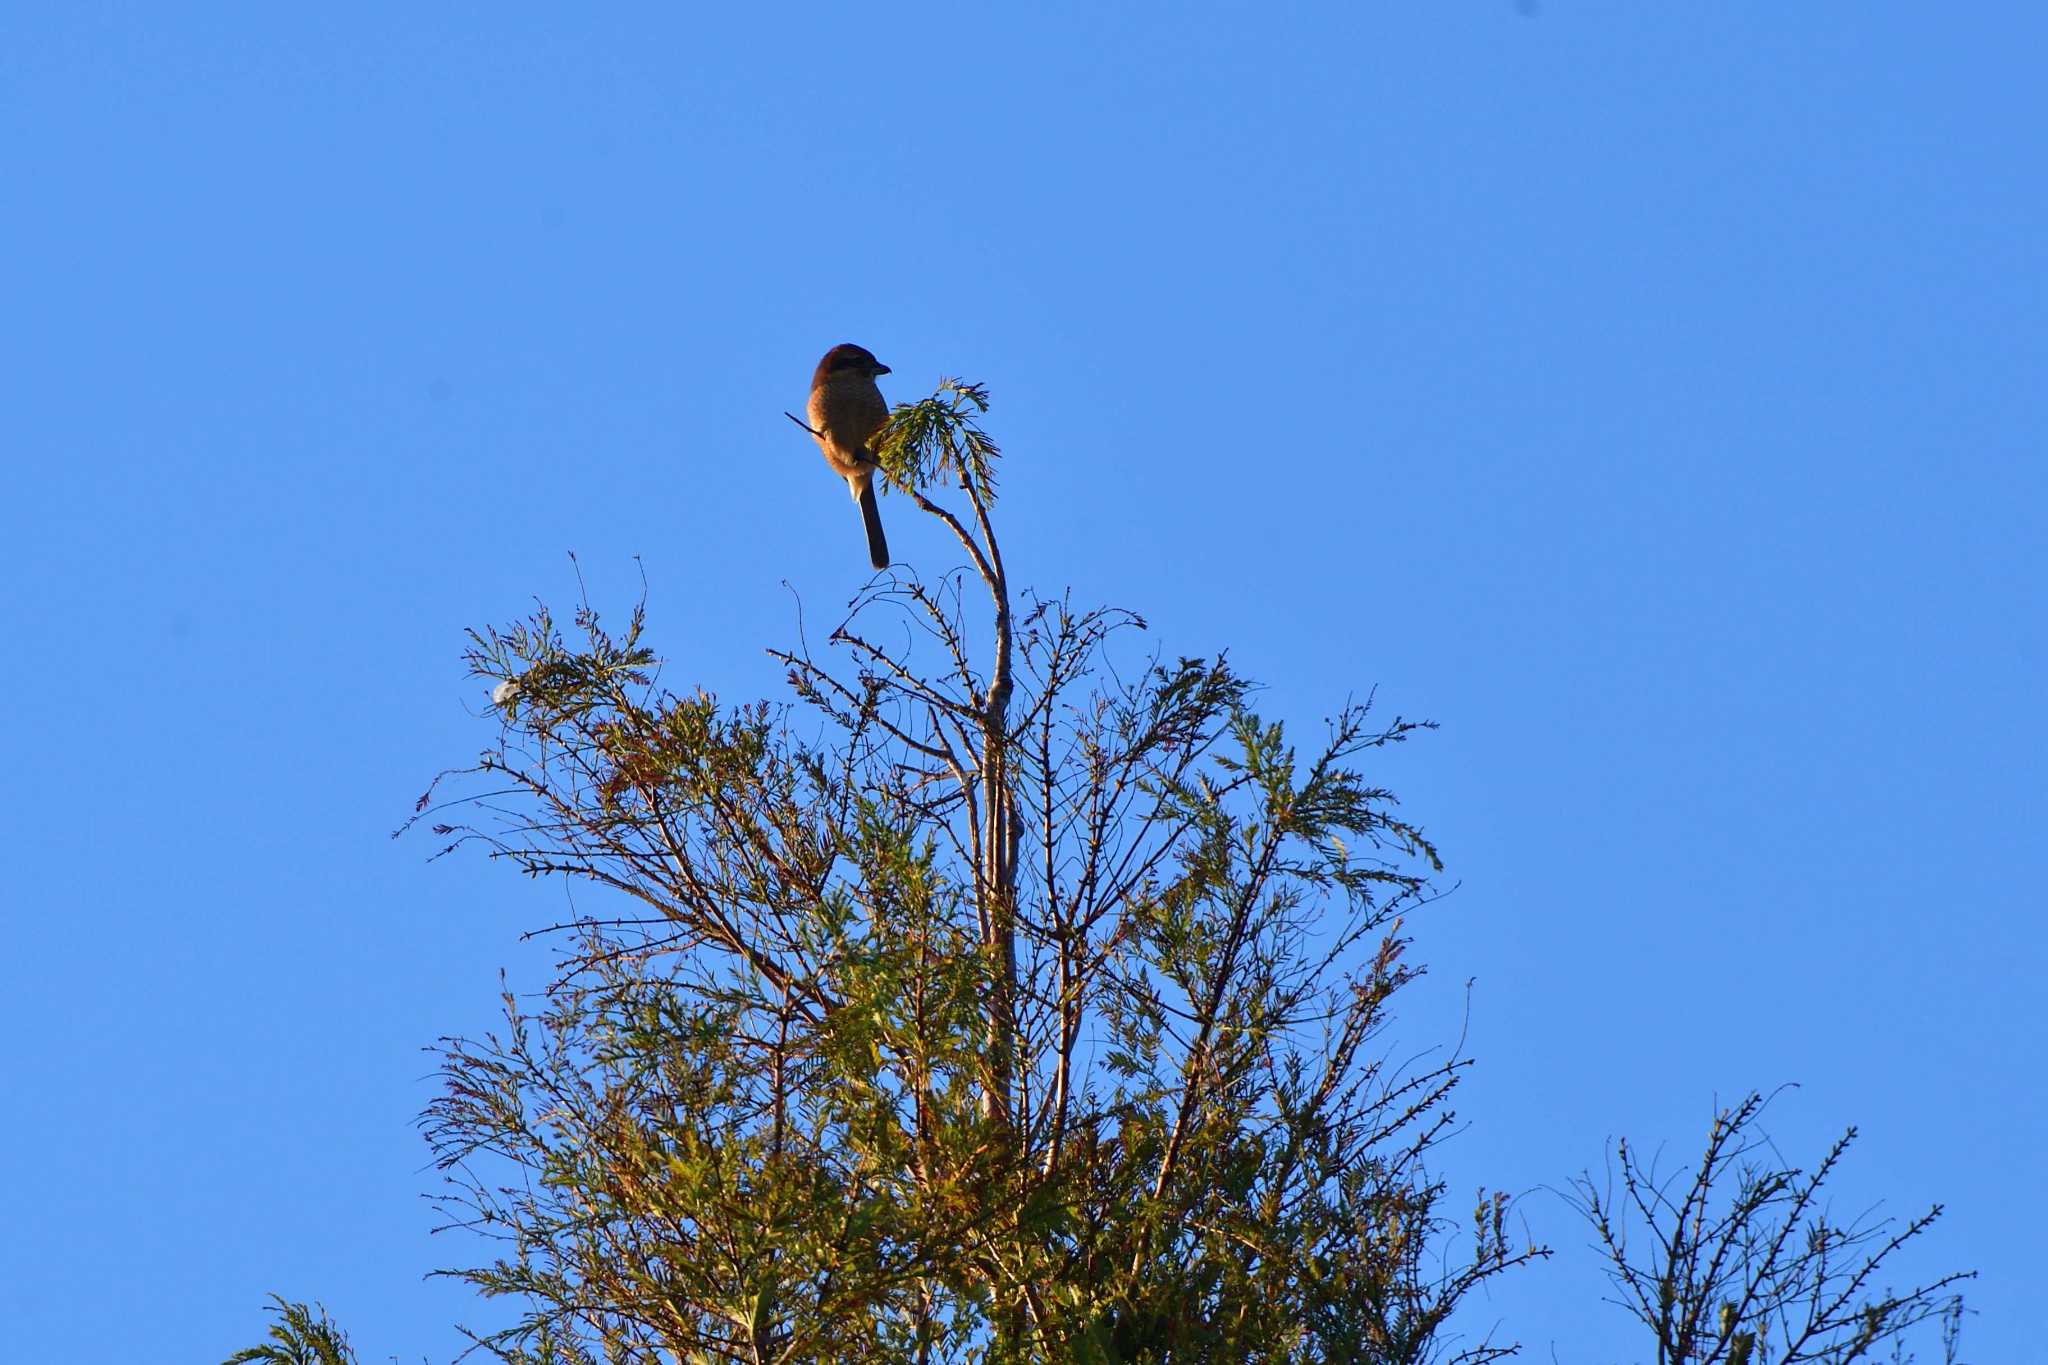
(996, 876)
(1060, 915)
(999, 846)
(780, 1080)
(995, 873)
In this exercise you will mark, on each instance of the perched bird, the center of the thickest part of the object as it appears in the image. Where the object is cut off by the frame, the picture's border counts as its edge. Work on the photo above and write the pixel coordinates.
(846, 410)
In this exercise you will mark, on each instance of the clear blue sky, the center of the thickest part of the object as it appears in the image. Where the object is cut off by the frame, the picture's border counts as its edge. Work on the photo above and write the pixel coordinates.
(1652, 394)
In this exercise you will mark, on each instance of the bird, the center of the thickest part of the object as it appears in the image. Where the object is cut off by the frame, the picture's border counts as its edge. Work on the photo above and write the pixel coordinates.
(846, 410)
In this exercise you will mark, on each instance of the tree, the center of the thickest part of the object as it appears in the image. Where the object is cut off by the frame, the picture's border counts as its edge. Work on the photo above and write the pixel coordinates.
(1006, 996)
(1744, 1263)
(996, 999)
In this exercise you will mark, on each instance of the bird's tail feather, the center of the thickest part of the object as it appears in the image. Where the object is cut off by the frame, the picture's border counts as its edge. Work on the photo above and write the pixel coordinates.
(871, 516)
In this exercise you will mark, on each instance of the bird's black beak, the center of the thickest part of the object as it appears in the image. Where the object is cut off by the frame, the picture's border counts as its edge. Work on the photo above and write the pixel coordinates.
(880, 368)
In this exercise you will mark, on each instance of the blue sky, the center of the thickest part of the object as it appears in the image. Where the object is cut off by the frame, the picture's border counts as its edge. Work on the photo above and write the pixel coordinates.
(1650, 394)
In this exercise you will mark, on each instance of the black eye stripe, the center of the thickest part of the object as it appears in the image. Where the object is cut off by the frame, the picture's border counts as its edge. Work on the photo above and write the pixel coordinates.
(847, 359)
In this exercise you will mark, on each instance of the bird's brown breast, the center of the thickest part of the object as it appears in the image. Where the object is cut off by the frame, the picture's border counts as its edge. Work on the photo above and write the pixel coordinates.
(846, 411)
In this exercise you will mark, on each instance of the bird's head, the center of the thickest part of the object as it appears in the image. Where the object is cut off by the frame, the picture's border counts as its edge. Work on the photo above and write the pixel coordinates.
(848, 359)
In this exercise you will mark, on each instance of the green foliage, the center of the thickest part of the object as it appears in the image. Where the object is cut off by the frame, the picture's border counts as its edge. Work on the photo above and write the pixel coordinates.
(939, 434)
(301, 1335)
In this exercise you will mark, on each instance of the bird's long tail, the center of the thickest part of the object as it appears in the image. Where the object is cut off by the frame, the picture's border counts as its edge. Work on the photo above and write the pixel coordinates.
(871, 517)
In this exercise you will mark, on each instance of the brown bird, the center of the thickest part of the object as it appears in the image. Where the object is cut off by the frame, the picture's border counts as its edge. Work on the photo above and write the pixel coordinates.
(846, 410)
